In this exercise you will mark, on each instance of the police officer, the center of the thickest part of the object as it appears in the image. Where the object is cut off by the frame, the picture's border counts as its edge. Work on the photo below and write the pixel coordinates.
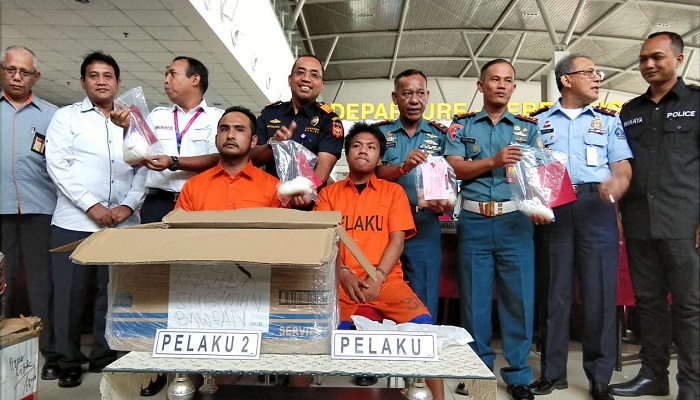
(661, 219)
(583, 237)
(302, 119)
(410, 140)
(494, 239)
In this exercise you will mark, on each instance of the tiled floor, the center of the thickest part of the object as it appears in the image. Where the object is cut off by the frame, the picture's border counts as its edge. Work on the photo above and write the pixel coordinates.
(578, 385)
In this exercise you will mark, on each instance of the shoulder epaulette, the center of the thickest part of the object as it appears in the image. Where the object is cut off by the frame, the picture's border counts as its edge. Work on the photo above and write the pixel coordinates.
(442, 128)
(527, 119)
(605, 111)
(465, 115)
(325, 107)
(275, 104)
(539, 111)
(380, 123)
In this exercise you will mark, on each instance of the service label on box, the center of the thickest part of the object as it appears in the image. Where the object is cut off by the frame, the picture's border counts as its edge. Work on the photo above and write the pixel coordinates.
(384, 345)
(234, 345)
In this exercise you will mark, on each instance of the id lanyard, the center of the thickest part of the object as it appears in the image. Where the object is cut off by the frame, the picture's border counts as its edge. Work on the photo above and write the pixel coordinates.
(178, 134)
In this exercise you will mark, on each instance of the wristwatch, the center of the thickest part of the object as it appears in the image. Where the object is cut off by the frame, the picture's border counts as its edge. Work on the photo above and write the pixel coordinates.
(403, 171)
(176, 164)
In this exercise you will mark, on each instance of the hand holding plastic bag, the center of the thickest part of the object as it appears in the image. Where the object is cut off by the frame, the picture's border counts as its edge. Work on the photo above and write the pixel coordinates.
(436, 184)
(140, 143)
(538, 181)
(295, 169)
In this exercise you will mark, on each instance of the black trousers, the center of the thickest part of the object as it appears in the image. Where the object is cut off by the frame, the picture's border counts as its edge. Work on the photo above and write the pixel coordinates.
(70, 282)
(582, 242)
(155, 207)
(657, 268)
(24, 240)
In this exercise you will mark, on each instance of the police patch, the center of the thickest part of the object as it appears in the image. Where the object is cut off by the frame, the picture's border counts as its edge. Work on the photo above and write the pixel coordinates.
(620, 133)
(454, 130)
(338, 129)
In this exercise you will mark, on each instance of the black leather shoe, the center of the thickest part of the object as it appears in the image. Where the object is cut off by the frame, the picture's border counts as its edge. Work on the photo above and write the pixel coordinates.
(520, 392)
(641, 386)
(70, 377)
(366, 380)
(547, 386)
(599, 391)
(50, 371)
(462, 389)
(155, 386)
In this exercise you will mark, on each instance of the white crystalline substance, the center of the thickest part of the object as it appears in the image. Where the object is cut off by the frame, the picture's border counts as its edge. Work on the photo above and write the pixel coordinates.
(136, 149)
(449, 202)
(535, 206)
(299, 186)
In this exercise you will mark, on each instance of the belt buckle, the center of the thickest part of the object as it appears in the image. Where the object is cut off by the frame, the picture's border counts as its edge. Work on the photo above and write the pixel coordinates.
(491, 208)
(575, 189)
(176, 195)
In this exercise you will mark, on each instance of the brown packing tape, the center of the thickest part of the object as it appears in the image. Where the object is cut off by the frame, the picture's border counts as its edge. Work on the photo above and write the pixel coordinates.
(357, 253)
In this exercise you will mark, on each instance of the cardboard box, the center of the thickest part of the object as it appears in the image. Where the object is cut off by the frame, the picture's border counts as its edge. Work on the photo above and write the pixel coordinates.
(19, 358)
(266, 269)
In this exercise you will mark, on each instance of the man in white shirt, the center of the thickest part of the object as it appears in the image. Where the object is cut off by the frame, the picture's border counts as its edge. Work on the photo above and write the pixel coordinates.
(96, 190)
(186, 132)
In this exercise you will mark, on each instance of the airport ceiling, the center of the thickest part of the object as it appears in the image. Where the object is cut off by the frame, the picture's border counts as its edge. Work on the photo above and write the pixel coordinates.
(356, 39)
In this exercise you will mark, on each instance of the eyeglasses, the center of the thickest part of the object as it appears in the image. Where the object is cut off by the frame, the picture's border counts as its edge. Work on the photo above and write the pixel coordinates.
(312, 74)
(11, 71)
(591, 73)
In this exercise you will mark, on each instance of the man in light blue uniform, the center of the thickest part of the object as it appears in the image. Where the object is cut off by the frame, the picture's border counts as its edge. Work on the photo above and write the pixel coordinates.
(410, 140)
(495, 239)
(27, 195)
(583, 239)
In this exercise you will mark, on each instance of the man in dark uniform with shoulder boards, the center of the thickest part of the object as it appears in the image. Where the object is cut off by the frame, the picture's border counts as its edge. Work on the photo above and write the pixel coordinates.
(661, 220)
(302, 119)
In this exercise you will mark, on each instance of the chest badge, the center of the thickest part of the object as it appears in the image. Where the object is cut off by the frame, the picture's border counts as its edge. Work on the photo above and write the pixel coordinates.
(314, 121)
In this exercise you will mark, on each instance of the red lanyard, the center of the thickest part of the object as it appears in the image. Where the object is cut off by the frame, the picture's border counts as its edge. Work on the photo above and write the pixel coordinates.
(178, 134)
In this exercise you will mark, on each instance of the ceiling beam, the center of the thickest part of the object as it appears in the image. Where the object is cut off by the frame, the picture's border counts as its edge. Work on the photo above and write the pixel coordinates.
(305, 33)
(297, 11)
(330, 52)
(471, 56)
(495, 28)
(688, 62)
(538, 72)
(547, 23)
(397, 45)
(517, 48)
(573, 22)
(596, 24)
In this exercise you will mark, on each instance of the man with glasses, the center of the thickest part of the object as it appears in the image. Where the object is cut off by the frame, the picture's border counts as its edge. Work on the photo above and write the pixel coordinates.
(662, 220)
(302, 119)
(27, 195)
(582, 241)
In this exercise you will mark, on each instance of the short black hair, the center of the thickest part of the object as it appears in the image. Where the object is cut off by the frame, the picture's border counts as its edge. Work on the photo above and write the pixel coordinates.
(409, 72)
(196, 68)
(244, 111)
(323, 72)
(494, 62)
(99, 56)
(363, 127)
(676, 39)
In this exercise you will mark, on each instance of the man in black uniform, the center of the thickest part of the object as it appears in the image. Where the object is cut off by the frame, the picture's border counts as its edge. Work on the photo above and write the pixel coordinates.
(302, 119)
(661, 219)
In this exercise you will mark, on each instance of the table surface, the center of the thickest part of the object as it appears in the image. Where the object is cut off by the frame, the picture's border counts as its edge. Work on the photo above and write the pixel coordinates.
(458, 362)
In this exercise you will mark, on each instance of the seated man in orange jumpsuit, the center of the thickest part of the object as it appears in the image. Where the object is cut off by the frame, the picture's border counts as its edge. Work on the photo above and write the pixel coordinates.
(234, 182)
(376, 214)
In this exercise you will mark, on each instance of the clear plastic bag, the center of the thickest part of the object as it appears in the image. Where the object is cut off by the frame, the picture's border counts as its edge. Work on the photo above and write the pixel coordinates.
(538, 180)
(140, 143)
(295, 167)
(436, 183)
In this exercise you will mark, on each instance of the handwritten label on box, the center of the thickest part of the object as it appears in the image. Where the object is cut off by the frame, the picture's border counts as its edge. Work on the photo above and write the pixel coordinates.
(235, 345)
(223, 296)
(18, 369)
(384, 345)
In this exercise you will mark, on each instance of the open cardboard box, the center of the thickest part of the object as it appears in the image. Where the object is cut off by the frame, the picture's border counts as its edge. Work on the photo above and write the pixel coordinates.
(19, 358)
(266, 269)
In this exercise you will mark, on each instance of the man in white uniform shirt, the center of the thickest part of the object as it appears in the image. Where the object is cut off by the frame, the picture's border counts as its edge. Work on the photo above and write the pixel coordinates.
(186, 132)
(96, 190)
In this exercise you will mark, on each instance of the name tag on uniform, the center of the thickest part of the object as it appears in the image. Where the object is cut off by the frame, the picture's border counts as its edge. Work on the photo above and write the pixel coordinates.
(591, 156)
(38, 143)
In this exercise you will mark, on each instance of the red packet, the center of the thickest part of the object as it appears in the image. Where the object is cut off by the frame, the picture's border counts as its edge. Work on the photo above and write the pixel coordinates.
(564, 194)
